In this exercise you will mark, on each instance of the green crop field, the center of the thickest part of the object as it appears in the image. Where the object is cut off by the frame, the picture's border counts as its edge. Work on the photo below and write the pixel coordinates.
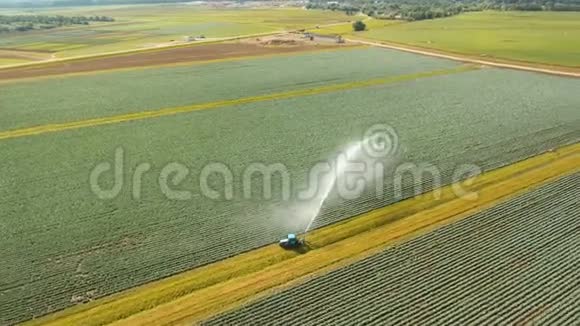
(61, 244)
(528, 242)
(539, 37)
(97, 96)
(150, 25)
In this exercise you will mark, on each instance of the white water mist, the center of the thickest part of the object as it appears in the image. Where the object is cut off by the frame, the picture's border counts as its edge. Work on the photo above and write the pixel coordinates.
(352, 153)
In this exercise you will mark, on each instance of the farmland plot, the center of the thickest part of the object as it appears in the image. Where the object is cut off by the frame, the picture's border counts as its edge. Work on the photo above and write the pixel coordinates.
(83, 97)
(515, 262)
(532, 37)
(182, 55)
(81, 247)
(145, 26)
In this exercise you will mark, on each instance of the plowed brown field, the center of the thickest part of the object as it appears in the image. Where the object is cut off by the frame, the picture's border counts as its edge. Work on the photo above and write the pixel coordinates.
(156, 57)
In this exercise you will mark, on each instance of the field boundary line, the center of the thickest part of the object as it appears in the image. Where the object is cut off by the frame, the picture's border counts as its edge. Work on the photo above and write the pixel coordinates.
(9, 81)
(464, 58)
(190, 284)
(48, 128)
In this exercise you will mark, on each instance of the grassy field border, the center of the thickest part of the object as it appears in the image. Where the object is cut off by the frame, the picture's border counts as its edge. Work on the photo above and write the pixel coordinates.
(200, 293)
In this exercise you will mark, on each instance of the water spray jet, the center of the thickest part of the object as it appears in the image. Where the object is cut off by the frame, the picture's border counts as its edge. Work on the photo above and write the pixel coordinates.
(380, 141)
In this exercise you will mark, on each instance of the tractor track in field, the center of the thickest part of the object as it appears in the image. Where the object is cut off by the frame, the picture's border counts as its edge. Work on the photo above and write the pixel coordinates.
(466, 59)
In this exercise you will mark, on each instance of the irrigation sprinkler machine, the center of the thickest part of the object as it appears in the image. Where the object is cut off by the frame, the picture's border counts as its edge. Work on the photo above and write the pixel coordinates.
(292, 241)
(353, 151)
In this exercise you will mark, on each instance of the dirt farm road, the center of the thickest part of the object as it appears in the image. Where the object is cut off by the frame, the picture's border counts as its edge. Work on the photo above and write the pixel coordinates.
(469, 60)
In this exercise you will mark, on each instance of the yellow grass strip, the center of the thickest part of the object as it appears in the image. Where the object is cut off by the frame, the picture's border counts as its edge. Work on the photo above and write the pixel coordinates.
(217, 104)
(191, 284)
(204, 303)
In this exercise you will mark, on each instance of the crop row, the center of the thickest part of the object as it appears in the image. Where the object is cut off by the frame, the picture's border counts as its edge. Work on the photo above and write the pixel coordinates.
(517, 261)
(61, 244)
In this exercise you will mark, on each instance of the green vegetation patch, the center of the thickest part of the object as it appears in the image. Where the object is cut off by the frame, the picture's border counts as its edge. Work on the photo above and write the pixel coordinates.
(12, 61)
(23, 23)
(540, 37)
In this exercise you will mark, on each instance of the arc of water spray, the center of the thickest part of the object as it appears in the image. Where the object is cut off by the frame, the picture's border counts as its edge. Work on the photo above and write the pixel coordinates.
(379, 141)
(338, 170)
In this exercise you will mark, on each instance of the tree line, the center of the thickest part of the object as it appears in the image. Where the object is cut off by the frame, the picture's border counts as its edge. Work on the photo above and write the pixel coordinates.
(430, 9)
(75, 3)
(22, 23)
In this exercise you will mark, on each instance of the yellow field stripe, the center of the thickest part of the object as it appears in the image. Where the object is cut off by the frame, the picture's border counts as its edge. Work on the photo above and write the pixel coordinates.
(197, 294)
(217, 104)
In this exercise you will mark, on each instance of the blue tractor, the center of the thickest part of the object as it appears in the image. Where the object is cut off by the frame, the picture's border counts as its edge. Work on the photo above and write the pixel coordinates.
(291, 242)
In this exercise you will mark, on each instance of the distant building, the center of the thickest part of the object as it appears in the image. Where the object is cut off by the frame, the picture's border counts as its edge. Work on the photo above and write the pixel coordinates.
(322, 37)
